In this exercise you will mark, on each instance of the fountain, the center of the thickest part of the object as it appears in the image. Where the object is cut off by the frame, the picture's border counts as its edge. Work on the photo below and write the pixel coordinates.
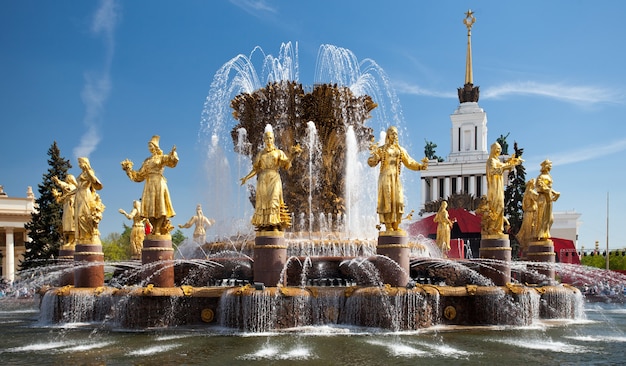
(314, 258)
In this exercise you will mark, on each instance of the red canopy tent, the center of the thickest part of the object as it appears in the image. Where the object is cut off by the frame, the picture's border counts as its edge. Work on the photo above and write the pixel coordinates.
(467, 222)
(467, 226)
(565, 251)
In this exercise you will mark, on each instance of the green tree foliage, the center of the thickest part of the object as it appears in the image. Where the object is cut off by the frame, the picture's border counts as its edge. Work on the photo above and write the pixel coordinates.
(116, 246)
(513, 196)
(617, 260)
(178, 237)
(45, 228)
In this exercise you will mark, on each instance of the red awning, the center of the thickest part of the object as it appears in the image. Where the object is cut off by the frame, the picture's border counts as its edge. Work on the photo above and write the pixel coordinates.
(565, 251)
(467, 222)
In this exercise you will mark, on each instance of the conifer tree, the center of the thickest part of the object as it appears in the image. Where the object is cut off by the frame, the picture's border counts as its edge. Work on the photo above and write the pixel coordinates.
(45, 228)
(513, 196)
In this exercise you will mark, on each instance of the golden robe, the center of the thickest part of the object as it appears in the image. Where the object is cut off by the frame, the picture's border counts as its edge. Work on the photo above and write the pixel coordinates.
(269, 187)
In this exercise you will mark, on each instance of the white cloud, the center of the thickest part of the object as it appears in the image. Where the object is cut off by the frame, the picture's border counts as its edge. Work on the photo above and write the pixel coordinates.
(254, 7)
(566, 93)
(580, 155)
(579, 95)
(97, 87)
(413, 89)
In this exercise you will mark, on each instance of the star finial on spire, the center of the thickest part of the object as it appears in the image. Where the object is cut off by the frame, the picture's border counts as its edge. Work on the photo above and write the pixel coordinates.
(469, 20)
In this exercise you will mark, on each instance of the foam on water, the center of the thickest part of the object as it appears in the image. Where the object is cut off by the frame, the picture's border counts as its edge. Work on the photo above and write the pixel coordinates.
(39, 347)
(543, 344)
(87, 346)
(613, 339)
(153, 350)
(272, 352)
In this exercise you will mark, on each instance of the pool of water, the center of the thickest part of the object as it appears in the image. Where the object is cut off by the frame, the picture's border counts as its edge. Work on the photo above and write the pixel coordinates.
(598, 339)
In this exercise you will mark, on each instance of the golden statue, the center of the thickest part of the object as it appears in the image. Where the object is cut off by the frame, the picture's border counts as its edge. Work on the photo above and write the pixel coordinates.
(391, 156)
(495, 188)
(202, 224)
(444, 225)
(270, 211)
(156, 205)
(66, 197)
(88, 207)
(546, 195)
(527, 231)
(138, 232)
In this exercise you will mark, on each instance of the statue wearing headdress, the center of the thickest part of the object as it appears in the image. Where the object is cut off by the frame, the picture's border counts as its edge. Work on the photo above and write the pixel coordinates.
(270, 211)
(495, 188)
(391, 156)
(156, 205)
(201, 222)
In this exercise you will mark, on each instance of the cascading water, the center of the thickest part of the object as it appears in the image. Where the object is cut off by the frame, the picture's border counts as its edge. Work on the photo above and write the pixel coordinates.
(315, 154)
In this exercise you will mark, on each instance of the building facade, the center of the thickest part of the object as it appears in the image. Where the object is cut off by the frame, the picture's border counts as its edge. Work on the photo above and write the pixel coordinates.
(14, 213)
(462, 177)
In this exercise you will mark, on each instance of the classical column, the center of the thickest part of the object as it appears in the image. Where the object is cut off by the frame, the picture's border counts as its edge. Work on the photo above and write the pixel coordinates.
(472, 185)
(459, 184)
(446, 187)
(8, 270)
(423, 197)
(434, 189)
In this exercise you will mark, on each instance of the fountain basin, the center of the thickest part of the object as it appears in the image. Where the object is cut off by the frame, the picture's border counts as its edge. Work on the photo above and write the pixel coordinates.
(251, 309)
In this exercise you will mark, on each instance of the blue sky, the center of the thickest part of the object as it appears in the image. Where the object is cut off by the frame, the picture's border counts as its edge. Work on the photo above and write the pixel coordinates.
(102, 77)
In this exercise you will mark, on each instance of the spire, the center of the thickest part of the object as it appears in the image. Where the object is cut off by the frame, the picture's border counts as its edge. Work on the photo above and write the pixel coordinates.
(469, 93)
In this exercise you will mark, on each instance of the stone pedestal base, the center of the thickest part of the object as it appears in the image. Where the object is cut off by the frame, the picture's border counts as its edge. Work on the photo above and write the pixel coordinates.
(157, 258)
(542, 252)
(396, 248)
(89, 261)
(66, 257)
(498, 270)
(270, 256)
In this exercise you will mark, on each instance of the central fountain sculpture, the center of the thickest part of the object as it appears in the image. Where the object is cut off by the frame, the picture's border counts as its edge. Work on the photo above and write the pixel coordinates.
(308, 261)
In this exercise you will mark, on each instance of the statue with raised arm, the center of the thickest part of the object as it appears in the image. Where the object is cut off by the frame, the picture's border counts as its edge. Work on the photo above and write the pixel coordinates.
(137, 233)
(156, 205)
(66, 197)
(88, 207)
(546, 196)
(270, 212)
(495, 188)
(202, 224)
(391, 156)
(444, 225)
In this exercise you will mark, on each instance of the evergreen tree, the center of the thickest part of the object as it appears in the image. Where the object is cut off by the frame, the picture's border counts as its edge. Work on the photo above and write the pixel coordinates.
(178, 237)
(513, 196)
(45, 228)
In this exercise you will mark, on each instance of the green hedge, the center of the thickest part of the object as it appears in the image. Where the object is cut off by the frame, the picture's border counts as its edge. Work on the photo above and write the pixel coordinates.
(617, 260)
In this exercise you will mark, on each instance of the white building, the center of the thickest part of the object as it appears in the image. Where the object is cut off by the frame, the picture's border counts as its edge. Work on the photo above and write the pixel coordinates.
(14, 213)
(462, 176)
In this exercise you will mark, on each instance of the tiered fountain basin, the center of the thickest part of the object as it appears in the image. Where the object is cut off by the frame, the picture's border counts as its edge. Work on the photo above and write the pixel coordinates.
(253, 308)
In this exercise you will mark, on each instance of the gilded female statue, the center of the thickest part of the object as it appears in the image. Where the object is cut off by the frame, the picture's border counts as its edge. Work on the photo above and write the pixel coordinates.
(201, 222)
(138, 232)
(444, 225)
(66, 197)
(546, 195)
(495, 187)
(270, 212)
(156, 205)
(88, 207)
(527, 231)
(391, 156)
